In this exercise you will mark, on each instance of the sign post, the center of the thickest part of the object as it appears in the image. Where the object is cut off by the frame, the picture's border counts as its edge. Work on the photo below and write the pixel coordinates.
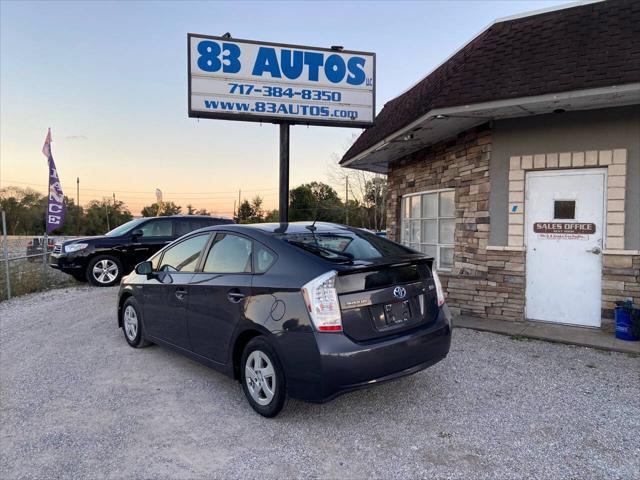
(283, 211)
(233, 79)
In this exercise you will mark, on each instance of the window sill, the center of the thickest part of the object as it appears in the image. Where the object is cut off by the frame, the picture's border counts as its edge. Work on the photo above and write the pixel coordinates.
(498, 248)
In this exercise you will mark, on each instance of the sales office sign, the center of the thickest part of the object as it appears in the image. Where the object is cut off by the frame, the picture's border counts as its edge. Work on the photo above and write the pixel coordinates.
(564, 231)
(257, 81)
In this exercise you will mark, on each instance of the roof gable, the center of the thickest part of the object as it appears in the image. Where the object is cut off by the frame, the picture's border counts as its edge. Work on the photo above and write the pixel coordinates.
(582, 47)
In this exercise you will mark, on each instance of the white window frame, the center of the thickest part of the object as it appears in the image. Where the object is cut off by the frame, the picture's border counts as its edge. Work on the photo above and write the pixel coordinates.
(403, 220)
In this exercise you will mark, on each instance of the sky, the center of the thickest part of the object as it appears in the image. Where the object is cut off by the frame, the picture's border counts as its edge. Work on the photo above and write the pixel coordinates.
(110, 79)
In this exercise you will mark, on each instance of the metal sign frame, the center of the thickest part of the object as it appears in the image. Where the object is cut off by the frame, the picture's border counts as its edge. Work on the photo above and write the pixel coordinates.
(271, 119)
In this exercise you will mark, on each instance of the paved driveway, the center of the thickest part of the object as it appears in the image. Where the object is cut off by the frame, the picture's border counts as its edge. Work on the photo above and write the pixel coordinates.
(77, 402)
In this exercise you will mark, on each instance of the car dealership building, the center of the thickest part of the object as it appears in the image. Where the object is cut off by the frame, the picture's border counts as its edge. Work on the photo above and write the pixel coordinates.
(516, 165)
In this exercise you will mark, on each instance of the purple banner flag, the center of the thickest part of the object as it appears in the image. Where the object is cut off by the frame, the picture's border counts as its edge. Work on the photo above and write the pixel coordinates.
(55, 204)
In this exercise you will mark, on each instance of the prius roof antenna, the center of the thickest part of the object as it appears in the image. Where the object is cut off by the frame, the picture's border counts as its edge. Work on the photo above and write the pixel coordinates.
(312, 227)
(226, 35)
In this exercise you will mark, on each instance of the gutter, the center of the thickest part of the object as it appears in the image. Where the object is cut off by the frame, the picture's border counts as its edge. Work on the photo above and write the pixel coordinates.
(475, 110)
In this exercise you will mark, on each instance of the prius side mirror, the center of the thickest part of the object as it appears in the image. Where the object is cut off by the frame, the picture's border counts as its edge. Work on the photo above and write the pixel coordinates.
(144, 268)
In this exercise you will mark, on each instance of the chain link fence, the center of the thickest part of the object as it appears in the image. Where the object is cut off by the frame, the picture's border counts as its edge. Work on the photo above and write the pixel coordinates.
(24, 266)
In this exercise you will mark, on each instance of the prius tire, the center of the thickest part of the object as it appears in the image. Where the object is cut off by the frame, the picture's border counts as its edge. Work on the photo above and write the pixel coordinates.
(132, 325)
(262, 377)
(104, 271)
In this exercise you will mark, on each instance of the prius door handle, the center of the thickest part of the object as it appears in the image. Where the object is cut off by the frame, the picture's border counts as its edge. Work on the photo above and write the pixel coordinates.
(234, 296)
(181, 293)
(595, 250)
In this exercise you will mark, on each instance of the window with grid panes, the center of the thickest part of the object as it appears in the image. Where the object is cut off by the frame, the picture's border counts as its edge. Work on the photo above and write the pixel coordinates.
(428, 224)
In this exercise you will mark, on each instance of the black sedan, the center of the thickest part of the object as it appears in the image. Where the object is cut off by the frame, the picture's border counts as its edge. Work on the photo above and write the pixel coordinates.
(303, 310)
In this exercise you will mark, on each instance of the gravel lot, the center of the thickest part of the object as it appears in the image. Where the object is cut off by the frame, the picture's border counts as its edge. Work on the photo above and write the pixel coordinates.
(77, 402)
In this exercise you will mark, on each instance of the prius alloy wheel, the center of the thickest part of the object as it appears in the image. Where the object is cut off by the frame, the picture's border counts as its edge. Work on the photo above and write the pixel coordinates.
(262, 378)
(104, 271)
(131, 323)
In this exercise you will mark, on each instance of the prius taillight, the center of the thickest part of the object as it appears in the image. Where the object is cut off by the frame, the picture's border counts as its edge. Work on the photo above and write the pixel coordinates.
(439, 291)
(323, 305)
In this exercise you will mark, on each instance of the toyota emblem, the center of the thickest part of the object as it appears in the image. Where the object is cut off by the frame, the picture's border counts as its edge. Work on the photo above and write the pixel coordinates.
(399, 292)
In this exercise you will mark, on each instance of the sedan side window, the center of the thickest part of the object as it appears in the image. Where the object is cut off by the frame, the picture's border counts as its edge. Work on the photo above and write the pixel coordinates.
(157, 228)
(264, 258)
(229, 254)
(184, 256)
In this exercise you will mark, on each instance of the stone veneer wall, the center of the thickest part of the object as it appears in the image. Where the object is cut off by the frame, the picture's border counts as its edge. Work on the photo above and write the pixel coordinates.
(484, 282)
(615, 161)
(620, 280)
(489, 281)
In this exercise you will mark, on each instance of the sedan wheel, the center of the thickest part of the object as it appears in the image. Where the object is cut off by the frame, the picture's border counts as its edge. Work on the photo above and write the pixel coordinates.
(130, 323)
(262, 377)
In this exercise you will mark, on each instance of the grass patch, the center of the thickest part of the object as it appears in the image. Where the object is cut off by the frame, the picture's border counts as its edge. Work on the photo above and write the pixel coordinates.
(28, 276)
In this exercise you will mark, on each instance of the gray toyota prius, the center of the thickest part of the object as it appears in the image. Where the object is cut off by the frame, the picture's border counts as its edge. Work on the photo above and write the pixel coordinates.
(306, 310)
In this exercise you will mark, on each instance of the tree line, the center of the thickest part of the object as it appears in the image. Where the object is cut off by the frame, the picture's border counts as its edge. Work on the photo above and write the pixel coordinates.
(319, 201)
(25, 213)
(25, 210)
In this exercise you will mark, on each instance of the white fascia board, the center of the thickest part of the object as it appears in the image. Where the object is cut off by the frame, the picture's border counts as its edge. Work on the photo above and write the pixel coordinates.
(528, 101)
(497, 104)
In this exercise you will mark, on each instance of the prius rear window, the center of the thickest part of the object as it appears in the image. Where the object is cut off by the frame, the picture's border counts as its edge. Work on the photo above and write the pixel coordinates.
(340, 246)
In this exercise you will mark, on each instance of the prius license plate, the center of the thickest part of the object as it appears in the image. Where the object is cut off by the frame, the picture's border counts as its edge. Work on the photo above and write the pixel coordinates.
(397, 312)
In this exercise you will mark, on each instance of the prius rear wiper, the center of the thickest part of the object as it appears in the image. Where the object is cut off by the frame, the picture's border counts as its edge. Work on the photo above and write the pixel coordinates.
(312, 247)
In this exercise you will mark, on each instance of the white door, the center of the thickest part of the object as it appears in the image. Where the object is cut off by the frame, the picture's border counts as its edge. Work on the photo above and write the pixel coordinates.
(564, 213)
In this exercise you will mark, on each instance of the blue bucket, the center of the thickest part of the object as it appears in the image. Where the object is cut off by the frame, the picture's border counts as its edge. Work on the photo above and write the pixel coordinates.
(623, 325)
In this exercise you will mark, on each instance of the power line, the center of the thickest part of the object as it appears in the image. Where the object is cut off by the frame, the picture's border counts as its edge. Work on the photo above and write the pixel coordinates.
(110, 190)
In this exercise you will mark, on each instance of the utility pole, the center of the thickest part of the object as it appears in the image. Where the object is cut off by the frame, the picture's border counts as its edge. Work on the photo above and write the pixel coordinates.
(376, 192)
(346, 201)
(77, 206)
(239, 203)
(106, 209)
(375, 204)
(377, 181)
(114, 210)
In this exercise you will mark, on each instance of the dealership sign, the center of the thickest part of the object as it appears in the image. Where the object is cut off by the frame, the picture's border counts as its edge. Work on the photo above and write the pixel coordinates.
(257, 81)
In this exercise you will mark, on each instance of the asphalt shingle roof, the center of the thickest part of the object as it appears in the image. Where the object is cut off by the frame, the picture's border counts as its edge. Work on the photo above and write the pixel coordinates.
(582, 47)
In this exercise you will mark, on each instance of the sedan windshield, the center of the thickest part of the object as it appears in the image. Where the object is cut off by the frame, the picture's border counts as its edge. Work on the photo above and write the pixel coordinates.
(125, 228)
(345, 246)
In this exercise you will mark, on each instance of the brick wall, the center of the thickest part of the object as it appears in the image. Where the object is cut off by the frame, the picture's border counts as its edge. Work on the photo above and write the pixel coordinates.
(483, 282)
